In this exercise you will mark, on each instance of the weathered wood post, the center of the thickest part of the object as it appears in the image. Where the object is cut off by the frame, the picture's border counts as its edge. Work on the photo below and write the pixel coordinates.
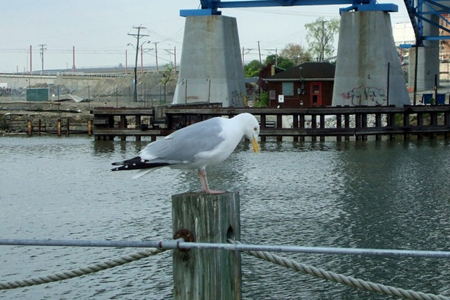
(295, 125)
(302, 126)
(322, 126)
(279, 126)
(89, 127)
(206, 273)
(314, 126)
(29, 127)
(58, 127)
(263, 126)
(338, 126)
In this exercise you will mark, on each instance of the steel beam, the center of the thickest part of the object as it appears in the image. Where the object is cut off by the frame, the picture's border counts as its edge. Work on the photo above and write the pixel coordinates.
(211, 7)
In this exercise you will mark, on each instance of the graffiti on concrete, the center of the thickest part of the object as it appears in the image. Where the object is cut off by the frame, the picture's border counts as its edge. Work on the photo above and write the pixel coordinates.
(365, 95)
(236, 99)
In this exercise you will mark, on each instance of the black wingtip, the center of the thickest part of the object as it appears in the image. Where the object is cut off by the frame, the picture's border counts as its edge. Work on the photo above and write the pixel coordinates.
(137, 163)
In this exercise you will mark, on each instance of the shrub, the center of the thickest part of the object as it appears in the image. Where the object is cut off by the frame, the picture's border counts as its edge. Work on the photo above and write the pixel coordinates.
(263, 100)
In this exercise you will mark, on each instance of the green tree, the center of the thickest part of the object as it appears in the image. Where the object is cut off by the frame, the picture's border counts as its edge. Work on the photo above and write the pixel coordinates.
(252, 69)
(167, 76)
(295, 53)
(280, 62)
(320, 37)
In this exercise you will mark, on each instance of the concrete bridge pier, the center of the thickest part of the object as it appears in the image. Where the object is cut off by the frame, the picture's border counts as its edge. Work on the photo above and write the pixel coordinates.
(211, 67)
(368, 70)
(428, 56)
(427, 66)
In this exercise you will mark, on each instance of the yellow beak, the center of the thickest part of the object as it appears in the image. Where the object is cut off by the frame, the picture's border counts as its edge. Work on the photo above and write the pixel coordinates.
(255, 145)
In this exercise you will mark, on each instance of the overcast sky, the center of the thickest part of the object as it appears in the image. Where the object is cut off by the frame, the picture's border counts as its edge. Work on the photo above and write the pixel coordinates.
(98, 29)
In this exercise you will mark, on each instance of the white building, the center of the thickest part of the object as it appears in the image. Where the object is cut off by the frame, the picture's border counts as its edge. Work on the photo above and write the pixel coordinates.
(403, 33)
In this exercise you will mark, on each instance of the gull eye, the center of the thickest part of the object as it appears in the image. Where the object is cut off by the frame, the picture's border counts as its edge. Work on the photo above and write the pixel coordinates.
(255, 129)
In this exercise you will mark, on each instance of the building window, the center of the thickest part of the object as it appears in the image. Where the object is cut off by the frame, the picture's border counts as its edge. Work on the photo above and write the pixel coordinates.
(316, 88)
(273, 95)
(288, 89)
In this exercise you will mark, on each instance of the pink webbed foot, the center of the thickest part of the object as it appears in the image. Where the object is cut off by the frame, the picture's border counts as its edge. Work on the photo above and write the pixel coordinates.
(204, 183)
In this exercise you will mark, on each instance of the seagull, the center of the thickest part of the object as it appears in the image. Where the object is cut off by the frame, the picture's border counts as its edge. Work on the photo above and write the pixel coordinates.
(195, 147)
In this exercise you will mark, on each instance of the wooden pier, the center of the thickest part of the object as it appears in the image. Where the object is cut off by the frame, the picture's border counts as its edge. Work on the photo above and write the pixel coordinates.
(316, 123)
(122, 122)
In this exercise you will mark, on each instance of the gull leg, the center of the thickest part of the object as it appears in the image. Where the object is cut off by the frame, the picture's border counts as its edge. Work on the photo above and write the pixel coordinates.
(203, 180)
(204, 183)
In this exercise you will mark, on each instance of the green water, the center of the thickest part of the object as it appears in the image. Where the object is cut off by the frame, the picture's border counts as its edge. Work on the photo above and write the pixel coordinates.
(373, 194)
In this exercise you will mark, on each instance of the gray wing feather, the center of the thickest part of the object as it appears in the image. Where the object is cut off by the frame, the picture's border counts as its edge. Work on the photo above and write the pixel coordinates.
(183, 145)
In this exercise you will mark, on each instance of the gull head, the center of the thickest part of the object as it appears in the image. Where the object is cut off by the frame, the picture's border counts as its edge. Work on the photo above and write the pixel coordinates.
(251, 129)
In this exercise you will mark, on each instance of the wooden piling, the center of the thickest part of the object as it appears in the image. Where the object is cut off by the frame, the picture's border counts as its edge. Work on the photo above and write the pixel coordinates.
(302, 126)
(339, 125)
(205, 273)
(347, 125)
(263, 126)
(29, 127)
(279, 125)
(58, 127)
(89, 127)
(313, 126)
(378, 123)
(295, 125)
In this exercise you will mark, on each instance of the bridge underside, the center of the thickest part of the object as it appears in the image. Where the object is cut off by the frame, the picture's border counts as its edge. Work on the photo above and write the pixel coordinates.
(371, 70)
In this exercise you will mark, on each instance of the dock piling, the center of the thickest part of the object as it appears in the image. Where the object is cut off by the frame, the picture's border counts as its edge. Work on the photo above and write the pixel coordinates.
(89, 128)
(200, 273)
(29, 127)
(58, 127)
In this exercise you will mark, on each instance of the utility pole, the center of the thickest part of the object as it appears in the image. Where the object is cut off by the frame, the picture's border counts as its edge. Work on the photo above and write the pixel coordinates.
(259, 51)
(126, 61)
(73, 62)
(276, 57)
(170, 55)
(156, 54)
(31, 59)
(175, 58)
(137, 35)
(42, 56)
(142, 56)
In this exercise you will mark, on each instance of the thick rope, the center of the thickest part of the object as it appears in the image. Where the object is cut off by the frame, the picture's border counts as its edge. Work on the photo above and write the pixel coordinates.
(82, 271)
(346, 280)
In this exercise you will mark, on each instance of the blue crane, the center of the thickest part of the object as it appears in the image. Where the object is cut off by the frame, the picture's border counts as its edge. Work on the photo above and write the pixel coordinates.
(211, 7)
(428, 12)
(419, 11)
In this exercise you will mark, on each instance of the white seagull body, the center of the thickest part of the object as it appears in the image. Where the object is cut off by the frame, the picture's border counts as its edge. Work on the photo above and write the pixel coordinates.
(196, 146)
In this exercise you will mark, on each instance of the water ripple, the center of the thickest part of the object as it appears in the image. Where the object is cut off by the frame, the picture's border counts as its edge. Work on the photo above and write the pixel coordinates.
(380, 194)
